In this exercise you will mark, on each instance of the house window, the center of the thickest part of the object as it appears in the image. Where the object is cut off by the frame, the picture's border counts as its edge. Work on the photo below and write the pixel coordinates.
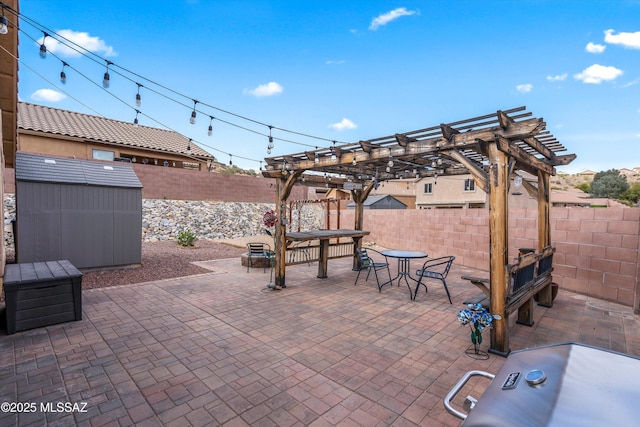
(428, 188)
(469, 185)
(102, 155)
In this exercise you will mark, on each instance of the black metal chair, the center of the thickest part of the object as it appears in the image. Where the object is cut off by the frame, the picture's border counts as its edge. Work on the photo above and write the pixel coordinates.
(436, 268)
(258, 251)
(368, 263)
(299, 251)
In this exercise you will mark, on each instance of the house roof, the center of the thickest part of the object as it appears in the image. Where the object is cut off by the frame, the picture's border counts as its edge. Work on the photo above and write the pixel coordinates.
(102, 130)
(39, 168)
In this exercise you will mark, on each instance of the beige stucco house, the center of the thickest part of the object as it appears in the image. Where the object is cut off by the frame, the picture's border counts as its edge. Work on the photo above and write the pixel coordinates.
(52, 131)
(455, 191)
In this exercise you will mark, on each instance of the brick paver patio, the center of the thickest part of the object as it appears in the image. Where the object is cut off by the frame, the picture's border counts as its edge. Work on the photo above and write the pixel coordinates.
(220, 349)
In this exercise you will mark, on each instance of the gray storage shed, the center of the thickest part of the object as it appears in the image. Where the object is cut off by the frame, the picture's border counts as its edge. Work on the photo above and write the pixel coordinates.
(89, 213)
(381, 201)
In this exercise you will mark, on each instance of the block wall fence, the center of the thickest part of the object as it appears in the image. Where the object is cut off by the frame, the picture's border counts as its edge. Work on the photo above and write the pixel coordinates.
(597, 250)
(183, 184)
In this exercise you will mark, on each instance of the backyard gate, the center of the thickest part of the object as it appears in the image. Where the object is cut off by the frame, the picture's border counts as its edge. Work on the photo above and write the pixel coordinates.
(89, 213)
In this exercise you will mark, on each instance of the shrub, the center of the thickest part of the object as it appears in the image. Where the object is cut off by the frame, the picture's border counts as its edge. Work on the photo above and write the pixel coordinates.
(186, 238)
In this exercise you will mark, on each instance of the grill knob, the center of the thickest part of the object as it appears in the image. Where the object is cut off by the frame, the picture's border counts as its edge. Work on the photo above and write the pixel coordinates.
(535, 377)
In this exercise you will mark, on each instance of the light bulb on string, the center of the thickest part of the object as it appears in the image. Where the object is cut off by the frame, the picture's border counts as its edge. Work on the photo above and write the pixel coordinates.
(106, 81)
(63, 75)
(3, 22)
(138, 97)
(192, 120)
(189, 145)
(135, 121)
(270, 145)
(43, 48)
(390, 163)
(210, 130)
(230, 160)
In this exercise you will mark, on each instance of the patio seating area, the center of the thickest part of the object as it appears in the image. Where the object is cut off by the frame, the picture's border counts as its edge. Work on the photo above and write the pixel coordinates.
(221, 349)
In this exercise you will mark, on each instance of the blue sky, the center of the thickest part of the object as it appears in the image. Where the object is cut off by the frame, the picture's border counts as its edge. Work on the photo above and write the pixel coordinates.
(344, 70)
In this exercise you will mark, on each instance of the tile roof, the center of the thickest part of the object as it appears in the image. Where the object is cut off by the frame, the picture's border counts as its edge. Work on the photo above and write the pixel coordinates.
(99, 129)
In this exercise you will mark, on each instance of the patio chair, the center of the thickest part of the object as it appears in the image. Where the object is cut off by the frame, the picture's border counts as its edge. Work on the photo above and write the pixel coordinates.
(259, 251)
(368, 263)
(436, 268)
(300, 251)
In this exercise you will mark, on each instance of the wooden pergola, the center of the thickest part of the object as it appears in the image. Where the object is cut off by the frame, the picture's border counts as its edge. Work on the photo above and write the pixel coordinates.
(494, 149)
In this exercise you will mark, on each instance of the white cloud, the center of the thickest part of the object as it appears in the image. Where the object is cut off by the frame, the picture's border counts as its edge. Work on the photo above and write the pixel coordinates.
(345, 124)
(628, 40)
(595, 48)
(269, 89)
(524, 88)
(332, 62)
(558, 78)
(83, 39)
(385, 18)
(47, 95)
(596, 74)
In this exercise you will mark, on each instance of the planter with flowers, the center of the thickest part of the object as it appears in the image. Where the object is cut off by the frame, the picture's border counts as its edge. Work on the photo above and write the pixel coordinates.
(478, 319)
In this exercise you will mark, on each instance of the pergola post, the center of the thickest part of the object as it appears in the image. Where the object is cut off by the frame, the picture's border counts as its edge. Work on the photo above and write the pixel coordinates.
(284, 185)
(498, 252)
(545, 297)
(359, 196)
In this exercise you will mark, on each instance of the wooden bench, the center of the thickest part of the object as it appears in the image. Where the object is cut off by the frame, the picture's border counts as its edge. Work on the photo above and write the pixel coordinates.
(529, 276)
(41, 294)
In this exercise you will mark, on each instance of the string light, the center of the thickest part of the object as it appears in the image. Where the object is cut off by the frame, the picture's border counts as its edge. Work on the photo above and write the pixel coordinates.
(138, 97)
(135, 121)
(106, 80)
(189, 145)
(192, 120)
(210, 130)
(106, 83)
(3, 22)
(63, 75)
(230, 160)
(270, 146)
(43, 48)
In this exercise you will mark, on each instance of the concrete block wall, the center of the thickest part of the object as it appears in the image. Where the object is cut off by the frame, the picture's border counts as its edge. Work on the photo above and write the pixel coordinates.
(598, 250)
(182, 184)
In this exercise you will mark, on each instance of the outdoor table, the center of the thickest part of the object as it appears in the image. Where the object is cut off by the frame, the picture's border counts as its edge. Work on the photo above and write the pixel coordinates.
(404, 267)
(324, 236)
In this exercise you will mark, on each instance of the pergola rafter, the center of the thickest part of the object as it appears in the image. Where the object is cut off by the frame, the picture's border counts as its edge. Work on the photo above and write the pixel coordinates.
(493, 148)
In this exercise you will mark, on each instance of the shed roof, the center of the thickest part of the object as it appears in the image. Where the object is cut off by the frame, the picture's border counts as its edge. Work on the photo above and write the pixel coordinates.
(372, 200)
(38, 168)
(100, 129)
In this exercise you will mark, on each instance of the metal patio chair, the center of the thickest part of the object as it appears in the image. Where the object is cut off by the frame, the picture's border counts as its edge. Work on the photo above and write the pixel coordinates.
(259, 251)
(436, 268)
(299, 251)
(368, 263)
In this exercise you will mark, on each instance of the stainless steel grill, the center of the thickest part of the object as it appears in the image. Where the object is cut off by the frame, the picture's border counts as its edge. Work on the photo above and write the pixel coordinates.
(565, 384)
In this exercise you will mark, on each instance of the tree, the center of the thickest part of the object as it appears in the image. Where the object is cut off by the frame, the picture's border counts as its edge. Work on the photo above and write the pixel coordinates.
(609, 184)
(632, 195)
(584, 186)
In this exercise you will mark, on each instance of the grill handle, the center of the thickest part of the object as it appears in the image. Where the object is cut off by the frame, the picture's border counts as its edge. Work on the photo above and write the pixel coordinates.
(456, 389)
